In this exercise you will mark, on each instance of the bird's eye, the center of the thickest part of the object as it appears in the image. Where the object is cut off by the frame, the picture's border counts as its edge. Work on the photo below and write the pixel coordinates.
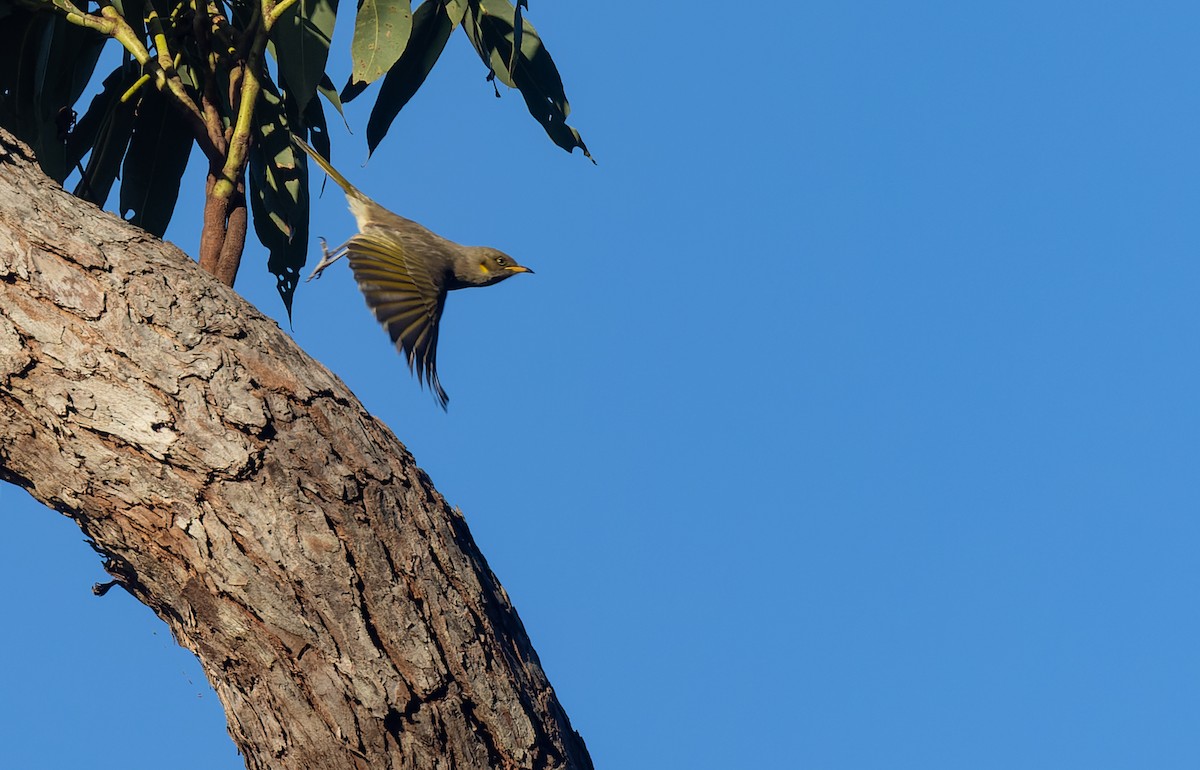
(501, 261)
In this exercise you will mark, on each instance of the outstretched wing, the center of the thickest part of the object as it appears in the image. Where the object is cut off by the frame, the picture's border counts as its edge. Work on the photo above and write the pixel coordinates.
(406, 297)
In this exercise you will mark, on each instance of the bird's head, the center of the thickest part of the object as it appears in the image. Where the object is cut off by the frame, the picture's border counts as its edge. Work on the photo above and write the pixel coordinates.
(487, 266)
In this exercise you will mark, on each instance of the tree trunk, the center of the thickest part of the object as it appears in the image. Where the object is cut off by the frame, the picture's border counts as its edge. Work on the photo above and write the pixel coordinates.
(338, 605)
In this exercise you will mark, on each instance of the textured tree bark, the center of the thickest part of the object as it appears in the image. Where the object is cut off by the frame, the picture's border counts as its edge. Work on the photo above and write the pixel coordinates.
(338, 605)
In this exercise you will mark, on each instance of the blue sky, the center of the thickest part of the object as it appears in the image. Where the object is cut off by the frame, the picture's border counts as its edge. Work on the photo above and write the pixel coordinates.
(850, 421)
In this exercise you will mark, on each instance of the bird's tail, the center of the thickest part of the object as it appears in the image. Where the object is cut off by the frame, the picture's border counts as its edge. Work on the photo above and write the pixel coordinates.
(350, 190)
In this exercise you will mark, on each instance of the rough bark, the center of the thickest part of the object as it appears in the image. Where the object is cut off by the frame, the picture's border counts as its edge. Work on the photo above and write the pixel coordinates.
(338, 605)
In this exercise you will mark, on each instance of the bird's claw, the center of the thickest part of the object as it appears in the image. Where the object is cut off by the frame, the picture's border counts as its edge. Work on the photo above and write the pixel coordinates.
(324, 263)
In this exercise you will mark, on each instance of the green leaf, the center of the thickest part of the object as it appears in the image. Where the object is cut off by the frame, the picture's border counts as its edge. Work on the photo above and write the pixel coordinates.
(88, 127)
(190, 76)
(318, 131)
(352, 89)
(455, 10)
(518, 33)
(329, 91)
(553, 121)
(432, 24)
(45, 65)
(381, 32)
(521, 61)
(47, 61)
(40, 125)
(158, 154)
(478, 22)
(20, 36)
(75, 53)
(279, 190)
(495, 20)
(115, 125)
(301, 37)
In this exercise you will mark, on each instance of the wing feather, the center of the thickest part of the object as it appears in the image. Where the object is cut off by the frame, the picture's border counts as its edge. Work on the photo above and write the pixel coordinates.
(407, 296)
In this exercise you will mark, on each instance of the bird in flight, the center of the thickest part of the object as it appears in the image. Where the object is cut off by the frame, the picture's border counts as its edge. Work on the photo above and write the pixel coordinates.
(405, 270)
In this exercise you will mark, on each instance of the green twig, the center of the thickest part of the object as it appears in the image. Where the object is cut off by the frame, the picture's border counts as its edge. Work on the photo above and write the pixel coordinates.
(133, 89)
(278, 10)
(239, 142)
(166, 64)
(112, 24)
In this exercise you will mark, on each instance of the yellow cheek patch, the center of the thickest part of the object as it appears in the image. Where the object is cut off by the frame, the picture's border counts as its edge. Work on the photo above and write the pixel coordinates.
(484, 268)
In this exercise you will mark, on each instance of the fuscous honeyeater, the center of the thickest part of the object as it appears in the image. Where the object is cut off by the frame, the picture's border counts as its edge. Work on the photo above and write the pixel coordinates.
(404, 270)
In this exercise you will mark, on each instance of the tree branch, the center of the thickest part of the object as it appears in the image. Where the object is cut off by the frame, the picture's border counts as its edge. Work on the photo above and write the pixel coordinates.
(162, 69)
(338, 605)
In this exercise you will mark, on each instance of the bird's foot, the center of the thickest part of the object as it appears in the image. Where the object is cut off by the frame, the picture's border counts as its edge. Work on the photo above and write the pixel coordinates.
(327, 259)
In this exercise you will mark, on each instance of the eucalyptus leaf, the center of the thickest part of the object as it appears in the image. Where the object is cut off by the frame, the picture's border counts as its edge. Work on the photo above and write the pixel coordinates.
(522, 62)
(301, 38)
(518, 32)
(38, 80)
(479, 21)
(45, 63)
(432, 25)
(327, 89)
(352, 89)
(100, 109)
(554, 122)
(317, 129)
(76, 51)
(279, 191)
(19, 35)
(157, 156)
(381, 33)
(42, 56)
(115, 125)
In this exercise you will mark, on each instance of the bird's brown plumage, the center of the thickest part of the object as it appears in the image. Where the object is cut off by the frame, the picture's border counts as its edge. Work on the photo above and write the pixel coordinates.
(405, 270)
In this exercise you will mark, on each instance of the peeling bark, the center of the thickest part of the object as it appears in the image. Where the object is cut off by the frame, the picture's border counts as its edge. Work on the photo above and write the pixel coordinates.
(338, 605)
